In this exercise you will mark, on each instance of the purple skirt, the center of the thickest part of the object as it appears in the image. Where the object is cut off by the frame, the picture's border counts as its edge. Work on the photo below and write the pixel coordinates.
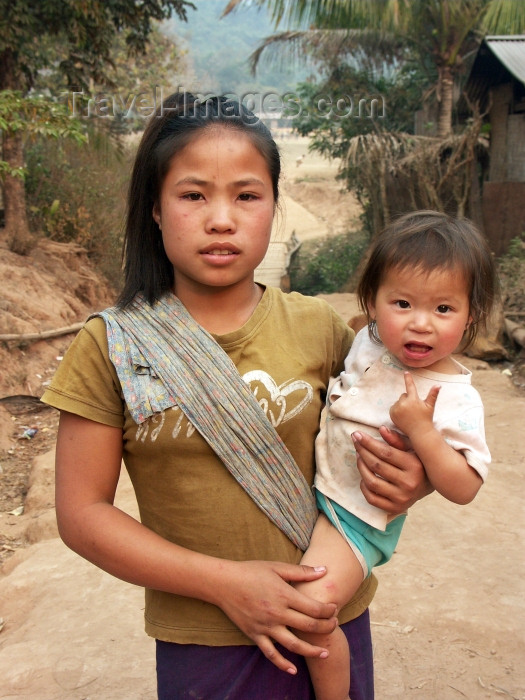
(243, 673)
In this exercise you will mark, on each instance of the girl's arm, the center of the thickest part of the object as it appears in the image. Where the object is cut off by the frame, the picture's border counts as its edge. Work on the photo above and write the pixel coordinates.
(392, 478)
(256, 596)
(446, 468)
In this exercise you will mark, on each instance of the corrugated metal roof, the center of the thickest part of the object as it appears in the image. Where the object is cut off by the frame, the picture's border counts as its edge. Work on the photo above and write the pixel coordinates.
(510, 50)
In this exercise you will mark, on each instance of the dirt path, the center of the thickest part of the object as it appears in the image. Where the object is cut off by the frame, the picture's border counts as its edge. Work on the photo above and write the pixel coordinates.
(448, 619)
(313, 203)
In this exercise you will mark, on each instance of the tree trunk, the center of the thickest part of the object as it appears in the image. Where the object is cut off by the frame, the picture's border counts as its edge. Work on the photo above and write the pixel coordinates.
(446, 80)
(17, 231)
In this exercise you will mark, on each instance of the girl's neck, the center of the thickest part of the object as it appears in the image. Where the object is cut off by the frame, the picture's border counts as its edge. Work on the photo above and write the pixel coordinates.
(221, 311)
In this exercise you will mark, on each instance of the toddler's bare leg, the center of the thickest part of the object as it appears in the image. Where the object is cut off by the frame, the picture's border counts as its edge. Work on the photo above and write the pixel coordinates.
(331, 676)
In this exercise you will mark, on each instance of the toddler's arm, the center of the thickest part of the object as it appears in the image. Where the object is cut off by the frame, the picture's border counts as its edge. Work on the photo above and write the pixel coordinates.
(446, 468)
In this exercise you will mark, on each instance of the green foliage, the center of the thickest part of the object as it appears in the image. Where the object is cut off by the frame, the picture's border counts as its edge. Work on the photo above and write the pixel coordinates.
(74, 38)
(75, 193)
(516, 249)
(443, 33)
(35, 116)
(511, 272)
(7, 169)
(351, 112)
(84, 31)
(134, 84)
(324, 266)
(334, 134)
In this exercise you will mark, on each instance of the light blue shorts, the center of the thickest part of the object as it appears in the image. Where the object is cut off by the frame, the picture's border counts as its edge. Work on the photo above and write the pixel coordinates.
(372, 547)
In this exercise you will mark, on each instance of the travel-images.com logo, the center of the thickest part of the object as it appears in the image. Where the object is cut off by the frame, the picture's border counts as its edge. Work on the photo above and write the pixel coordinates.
(267, 105)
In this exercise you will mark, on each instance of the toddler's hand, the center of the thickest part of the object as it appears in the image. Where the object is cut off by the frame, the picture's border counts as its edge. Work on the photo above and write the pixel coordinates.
(410, 413)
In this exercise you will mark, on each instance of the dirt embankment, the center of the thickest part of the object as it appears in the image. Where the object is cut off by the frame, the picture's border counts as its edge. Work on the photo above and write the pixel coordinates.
(55, 286)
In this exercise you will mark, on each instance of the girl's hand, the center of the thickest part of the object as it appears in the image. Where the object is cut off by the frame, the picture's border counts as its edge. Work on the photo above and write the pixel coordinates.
(391, 477)
(258, 598)
(410, 413)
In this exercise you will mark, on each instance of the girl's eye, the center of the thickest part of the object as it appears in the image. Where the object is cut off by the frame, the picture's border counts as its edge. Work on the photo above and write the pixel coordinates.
(192, 196)
(246, 196)
(402, 304)
(443, 308)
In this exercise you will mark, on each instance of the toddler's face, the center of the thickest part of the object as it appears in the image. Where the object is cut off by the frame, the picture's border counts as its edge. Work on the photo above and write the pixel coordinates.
(421, 317)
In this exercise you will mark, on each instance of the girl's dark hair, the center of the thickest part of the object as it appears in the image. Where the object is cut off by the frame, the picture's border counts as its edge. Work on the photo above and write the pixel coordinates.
(176, 122)
(424, 241)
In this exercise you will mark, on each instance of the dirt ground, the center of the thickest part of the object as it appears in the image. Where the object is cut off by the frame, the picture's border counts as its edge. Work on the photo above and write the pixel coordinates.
(449, 616)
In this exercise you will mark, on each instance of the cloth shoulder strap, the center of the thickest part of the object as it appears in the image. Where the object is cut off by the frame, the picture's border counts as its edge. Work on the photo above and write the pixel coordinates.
(202, 380)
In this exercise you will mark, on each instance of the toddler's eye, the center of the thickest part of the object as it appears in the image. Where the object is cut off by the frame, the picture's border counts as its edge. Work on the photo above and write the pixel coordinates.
(403, 304)
(443, 308)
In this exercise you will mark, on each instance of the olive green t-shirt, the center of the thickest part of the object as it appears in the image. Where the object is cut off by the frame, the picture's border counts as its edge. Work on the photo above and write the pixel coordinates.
(286, 353)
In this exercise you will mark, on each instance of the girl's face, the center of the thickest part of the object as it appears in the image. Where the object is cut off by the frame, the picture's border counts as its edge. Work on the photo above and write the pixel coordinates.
(215, 211)
(421, 317)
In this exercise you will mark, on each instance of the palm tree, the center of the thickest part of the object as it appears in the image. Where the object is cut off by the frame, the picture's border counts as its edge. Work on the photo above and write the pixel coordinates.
(444, 31)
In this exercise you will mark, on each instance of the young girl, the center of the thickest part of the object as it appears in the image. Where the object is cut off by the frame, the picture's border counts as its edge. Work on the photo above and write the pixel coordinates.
(428, 286)
(173, 381)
